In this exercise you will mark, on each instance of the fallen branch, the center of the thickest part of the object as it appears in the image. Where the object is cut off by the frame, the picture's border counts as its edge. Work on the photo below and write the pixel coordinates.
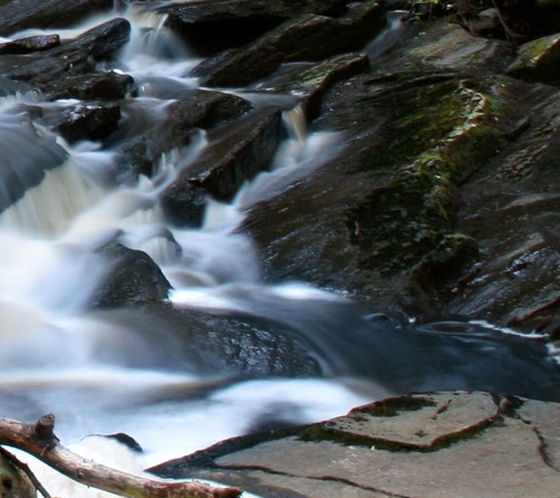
(40, 441)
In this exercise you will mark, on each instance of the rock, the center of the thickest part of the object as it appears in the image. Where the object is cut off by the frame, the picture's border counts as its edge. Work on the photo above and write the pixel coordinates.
(220, 347)
(537, 60)
(74, 58)
(518, 269)
(310, 84)
(196, 109)
(447, 46)
(408, 445)
(17, 15)
(239, 154)
(243, 345)
(213, 26)
(358, 222)
(108, 85)
(324, 37)
(397, 218)
(88, 122)
(30, 44)
(10, 87)
(132, 279)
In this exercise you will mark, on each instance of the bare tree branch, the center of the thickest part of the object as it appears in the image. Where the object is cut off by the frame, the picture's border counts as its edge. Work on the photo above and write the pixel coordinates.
(40, 441)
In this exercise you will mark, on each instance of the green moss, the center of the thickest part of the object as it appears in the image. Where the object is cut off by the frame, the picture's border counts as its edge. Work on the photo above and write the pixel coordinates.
(391, 407)
(438, 136)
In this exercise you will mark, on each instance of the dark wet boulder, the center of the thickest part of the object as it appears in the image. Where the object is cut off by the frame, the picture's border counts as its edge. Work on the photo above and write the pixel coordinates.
(30, 44)
(442, 200)
(538, 60)
(17, 15)
(244, 345)
(108, 85)
(309, 37)
(510, 206)
(196, 109)
(235, 157)
(374, 212)
(88, 122)
(220, 344)
(310, 83)
(217, 25)
(132, 278)
(48, 70)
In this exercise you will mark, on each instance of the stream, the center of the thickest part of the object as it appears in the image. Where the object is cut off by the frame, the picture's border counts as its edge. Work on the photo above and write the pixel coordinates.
(104, 372)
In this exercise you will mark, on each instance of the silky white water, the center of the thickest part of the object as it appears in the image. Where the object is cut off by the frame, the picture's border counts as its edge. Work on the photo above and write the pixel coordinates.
(100, 374)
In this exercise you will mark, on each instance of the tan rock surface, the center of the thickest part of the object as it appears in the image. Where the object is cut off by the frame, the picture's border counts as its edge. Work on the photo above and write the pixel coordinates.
(439, 445)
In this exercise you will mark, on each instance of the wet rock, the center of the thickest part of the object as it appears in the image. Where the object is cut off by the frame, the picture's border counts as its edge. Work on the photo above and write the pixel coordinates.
(310, 84)
(391, 197)
(538, 60)
(245, 346)
(237, 156)
(217, 25)
(222, 346)
(448, 47)
(197, 109)
(435, 136)
(132, 279)
(98, 86)
(74, 58)
(324, 37)
(10, 87)
(17, 15)
(88, 122)
(401, 446)
(514, 280)
(30, 44)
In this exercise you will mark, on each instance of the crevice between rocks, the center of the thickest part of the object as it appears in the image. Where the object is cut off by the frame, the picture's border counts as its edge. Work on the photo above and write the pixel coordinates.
(340, 480)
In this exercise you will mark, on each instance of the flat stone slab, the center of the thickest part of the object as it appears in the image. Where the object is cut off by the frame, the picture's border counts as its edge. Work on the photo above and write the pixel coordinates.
(435, 445)
(418, 421)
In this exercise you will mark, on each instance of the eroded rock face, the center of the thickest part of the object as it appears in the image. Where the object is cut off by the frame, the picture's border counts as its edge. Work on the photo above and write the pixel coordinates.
(213, 26)
(309, 37)
(23, 14)
(401, 223)
(68, 70)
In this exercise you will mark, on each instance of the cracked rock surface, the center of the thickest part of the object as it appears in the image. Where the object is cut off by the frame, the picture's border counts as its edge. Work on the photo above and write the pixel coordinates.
(445, 444)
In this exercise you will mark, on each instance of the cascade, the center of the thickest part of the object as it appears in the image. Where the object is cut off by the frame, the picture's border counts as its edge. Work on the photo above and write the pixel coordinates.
(134, 371)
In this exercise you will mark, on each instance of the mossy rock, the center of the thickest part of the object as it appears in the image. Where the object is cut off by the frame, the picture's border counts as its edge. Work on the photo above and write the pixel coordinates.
(538, 60)
(438, 136)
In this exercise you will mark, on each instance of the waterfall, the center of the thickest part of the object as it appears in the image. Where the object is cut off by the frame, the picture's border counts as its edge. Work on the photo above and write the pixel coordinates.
(153, 373)
(106, 371)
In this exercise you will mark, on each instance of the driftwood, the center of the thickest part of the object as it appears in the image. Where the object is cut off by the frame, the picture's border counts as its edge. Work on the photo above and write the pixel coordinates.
(40, 441)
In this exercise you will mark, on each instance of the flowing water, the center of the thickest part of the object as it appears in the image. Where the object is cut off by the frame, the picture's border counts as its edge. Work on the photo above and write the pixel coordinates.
(107, 372)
